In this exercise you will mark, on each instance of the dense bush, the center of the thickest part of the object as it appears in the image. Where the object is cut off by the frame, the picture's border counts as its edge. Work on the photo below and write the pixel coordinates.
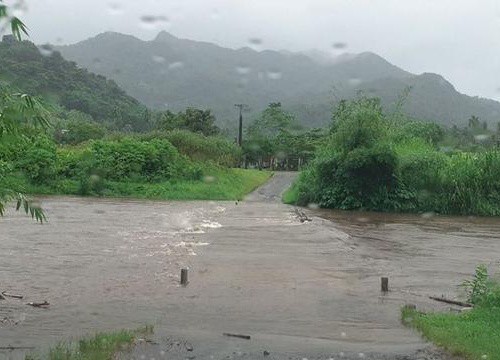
(202, 148)
(357, 168)
(134, 159)
(38, 162)
(374, 164)
(77, 128)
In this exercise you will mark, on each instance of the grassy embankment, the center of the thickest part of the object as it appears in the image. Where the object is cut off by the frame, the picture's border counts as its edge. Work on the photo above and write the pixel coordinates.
(102, 346)
(171, 166)
(474, 334)
(221, 184)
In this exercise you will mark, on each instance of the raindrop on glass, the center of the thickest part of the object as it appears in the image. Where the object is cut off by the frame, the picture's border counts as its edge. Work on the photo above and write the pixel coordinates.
(46, 50)
(339, 45)
(274, 75)
(19, 8)
(176, 65)
(313, 206)
(115, 9)
(355, 82)
(243, 70)
(152, 21)
(255, 43)
(158, 59)
(428, 215)
(215, 14)
(482, 137)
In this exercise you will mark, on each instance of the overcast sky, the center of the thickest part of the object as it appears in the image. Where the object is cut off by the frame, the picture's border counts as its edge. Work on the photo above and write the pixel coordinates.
(459, 39)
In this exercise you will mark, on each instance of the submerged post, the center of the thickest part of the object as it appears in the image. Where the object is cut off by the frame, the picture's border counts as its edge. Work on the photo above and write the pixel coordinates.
(384, 284)
(184, 276)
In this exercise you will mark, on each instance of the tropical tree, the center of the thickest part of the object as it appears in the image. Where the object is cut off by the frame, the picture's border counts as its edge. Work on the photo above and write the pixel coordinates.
(473, 121)
(16, 112)
(194, 120)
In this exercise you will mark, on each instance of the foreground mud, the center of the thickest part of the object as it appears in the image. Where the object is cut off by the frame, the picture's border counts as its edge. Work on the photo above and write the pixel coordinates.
(299, 289)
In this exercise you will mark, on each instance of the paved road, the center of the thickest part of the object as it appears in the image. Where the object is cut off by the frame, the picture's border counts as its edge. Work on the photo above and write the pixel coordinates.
(293, 287)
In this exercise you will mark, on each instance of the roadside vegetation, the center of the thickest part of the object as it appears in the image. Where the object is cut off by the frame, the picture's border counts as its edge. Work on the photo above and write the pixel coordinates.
(102, 346)
(473, 334)
(375, 161)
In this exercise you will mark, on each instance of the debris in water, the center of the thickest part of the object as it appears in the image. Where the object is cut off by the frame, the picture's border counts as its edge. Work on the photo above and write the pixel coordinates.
(246, 337)
(43, 304)
(5, 294)
(301, 215)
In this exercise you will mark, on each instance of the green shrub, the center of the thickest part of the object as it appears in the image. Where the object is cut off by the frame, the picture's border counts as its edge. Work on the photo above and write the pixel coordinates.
(130, 158)
(199, 147)
(38, 162)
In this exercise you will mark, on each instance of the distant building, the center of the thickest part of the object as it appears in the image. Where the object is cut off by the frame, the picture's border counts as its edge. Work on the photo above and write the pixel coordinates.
(9, 39)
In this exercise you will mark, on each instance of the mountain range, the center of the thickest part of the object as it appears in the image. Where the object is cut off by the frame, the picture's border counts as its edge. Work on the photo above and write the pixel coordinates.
(172, 73)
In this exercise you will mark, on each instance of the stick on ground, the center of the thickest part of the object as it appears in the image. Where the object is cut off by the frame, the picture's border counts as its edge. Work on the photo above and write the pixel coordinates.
(5, 294)
(453, 302)
(246, 337)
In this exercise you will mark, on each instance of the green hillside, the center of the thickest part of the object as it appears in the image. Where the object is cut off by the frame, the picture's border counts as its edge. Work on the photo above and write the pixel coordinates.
(46, 73)
(172, 73)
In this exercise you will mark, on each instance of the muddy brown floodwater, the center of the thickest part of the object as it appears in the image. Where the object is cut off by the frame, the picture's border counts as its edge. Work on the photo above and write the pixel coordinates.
(299, 289)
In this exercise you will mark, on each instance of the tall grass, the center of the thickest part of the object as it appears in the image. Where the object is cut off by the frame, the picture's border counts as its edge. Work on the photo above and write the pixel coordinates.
(102, 346)
(474, 334)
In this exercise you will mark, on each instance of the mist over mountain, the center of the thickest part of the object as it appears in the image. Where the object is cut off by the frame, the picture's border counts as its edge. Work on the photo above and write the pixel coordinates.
(173, 73)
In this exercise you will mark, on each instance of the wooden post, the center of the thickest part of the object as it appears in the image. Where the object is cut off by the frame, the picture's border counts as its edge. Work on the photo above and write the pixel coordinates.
(184, 277)
(384, 284)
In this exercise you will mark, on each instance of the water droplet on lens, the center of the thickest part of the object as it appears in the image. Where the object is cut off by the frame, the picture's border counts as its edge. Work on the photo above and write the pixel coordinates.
(19, 8)
(243, 70)
(339, 45)
(209, 179)
(355, 82)
(428, 215)
(115, 9)
(152, 21)
(215, 15)
(255, 43)
(481, 137)
(313, 206)
(176, 65)
(274, 75)
(158, 59)
(46, 50)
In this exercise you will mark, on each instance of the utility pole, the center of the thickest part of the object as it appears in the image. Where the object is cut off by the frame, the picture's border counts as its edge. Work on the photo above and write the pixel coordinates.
(240, 128)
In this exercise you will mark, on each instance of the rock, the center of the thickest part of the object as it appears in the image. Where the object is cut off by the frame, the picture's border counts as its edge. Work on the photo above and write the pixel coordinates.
(266, 353)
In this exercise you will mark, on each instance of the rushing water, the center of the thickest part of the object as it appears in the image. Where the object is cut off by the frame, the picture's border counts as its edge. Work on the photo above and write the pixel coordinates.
(254, 268)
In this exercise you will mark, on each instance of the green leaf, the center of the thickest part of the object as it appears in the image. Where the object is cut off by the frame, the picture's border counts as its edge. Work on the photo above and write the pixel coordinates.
(18, 28)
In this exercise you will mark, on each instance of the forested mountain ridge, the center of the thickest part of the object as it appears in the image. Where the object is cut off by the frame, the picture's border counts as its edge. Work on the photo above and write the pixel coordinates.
(43, 72)
(173, 73)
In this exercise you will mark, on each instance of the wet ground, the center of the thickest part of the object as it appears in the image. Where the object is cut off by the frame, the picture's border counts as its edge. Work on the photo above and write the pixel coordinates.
(299, 289)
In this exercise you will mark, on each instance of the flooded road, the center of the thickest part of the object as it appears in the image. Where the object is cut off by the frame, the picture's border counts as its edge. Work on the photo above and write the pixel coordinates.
(307, 289)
